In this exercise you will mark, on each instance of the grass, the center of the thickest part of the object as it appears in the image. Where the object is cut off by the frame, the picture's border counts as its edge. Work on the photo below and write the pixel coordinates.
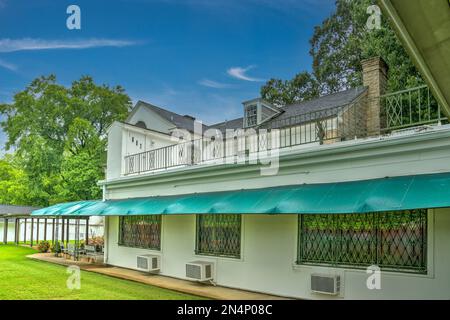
(23, 278)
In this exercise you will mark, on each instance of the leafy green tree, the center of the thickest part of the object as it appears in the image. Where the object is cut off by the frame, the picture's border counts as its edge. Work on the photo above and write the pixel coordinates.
(55, 128)
(281, 92)
(83, 164)
(13, 184)
(337, 47)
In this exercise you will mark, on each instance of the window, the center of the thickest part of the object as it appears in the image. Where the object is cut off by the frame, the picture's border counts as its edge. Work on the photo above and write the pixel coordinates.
(140, 231)
(390, 240)
(251, 117)
(219, 235)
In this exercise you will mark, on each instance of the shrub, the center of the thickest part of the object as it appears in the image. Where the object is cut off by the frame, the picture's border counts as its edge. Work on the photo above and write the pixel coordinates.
(56, 248)
(96, 241)
(43, 246)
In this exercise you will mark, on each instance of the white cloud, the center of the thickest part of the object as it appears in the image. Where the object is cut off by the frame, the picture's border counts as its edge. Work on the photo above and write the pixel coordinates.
(27, 44)
(240, 73)
(7, 65)
(213, 84)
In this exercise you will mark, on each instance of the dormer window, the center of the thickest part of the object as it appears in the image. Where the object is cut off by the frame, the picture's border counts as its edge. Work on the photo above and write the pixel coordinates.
(257, 111)
(251, 116)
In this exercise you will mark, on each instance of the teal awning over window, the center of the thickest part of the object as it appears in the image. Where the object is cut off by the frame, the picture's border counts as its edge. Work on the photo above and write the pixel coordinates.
(396, 193)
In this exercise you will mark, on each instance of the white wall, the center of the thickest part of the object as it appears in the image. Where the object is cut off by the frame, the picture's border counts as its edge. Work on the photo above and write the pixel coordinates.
(269, 246)
(269, 242)
(151, 119)
(122, 142)
(340, 162)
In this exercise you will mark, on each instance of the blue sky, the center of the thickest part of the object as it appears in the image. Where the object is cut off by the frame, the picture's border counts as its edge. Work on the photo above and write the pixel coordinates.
(199, 57)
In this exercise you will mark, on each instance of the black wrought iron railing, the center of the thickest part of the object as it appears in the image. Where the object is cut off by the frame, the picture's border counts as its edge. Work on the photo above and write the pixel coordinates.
(323, 126)
(408, 108)
(398, 110)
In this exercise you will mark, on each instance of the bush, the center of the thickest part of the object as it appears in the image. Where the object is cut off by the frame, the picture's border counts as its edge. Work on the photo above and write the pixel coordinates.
(96, 241)
(56, 248)
(43, 246)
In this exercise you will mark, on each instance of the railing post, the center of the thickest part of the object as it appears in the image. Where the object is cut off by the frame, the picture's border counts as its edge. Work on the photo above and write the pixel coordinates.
(25, 231)
(166, 156)
(37, 231)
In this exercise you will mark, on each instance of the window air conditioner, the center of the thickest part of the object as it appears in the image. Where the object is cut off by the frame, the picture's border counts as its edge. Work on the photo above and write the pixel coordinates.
(148, 263)
(199, 270)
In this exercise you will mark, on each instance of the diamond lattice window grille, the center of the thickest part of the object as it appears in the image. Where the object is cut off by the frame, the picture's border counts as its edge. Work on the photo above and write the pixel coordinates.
(140, 231)
(219, 235)
(391, 240)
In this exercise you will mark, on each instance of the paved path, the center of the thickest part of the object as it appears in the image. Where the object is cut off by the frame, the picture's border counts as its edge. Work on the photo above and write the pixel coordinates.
(195, 288)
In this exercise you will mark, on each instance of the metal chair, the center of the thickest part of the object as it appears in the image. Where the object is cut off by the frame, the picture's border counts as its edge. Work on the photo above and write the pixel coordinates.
(91, 252)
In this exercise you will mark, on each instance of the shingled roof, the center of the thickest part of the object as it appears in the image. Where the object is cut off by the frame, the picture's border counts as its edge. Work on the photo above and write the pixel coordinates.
(180, 121)
(287, 115)
(326, 102)
(6, 209)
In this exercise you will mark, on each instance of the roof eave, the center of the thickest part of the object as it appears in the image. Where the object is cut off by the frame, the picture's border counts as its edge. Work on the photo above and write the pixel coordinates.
(390, 8)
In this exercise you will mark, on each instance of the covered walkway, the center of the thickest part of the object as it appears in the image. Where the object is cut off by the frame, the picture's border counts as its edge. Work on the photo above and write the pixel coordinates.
(30, 229)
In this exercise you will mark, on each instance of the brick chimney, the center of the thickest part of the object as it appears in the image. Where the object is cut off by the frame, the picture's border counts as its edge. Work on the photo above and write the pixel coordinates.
(375, 79)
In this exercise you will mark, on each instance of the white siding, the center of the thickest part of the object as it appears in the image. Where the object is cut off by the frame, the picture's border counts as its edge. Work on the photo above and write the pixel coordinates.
(268, 260)
(269, 242)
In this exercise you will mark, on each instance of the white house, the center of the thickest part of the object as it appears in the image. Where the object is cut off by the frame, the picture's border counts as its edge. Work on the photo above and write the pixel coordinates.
(357, 179)
(343, 197)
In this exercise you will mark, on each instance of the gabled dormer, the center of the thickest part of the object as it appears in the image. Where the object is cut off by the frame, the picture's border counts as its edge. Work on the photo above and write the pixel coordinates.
(258, 111)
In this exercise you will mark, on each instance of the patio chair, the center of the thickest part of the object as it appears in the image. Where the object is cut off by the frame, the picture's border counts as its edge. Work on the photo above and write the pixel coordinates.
(92, 253)
(70, 250)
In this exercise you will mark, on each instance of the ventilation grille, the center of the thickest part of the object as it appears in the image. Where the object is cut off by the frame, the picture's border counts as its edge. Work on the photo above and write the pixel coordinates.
(326, 284)
(142, 263)
(194, 271)
(154, 263)
(208, 273)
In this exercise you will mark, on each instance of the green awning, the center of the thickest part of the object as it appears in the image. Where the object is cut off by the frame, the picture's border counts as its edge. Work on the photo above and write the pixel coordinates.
(395, 193)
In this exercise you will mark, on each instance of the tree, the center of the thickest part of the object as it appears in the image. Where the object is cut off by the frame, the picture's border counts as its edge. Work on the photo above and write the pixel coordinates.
(337, 47)
(280, 93)
(13, 185)
(83, 164)
(53, 128)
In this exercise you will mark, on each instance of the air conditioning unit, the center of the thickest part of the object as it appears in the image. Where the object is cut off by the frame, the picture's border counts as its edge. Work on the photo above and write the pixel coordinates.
(199, 270)
(325, 284)
(148, 263)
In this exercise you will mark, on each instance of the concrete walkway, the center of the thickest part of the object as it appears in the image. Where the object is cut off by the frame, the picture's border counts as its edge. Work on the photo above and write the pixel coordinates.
(194, 288)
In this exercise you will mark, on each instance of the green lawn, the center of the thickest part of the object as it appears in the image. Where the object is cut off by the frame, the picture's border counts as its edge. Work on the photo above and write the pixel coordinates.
(22, 278)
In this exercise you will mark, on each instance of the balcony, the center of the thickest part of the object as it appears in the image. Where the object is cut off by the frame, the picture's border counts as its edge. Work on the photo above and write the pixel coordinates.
(399, 110)
(409, 108)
